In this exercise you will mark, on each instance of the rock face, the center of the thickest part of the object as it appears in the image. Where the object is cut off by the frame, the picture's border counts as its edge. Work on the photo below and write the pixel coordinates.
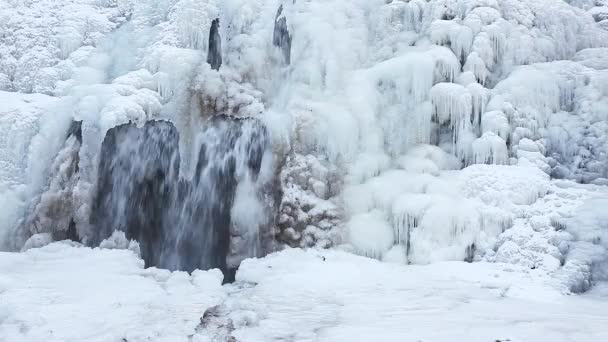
(182, 220)
(281, 37)
(214, 56)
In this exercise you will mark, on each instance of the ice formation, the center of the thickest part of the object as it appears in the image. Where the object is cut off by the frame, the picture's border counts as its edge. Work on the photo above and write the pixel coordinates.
(412, 131)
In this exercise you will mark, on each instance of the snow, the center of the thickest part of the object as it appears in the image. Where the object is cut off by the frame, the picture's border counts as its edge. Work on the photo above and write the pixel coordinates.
(489, 149)
(370, 234)
(334, 296)
(65, 293)
(68, 293)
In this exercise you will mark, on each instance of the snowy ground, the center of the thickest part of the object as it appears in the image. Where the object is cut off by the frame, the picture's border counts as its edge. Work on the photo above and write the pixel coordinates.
(65, 293)
(61, 293)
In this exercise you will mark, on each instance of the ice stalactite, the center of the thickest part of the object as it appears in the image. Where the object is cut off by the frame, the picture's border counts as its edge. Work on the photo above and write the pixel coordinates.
(407, 213)
(446, 232)
(479, 97)
(281, 37)
(453, 105)
(477, 66)
(496, 122)
(214, 53)
(447, 65)
(457, 37)
(489, 149)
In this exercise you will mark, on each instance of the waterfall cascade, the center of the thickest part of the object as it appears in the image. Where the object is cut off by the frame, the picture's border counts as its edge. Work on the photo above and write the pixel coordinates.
(183, 220)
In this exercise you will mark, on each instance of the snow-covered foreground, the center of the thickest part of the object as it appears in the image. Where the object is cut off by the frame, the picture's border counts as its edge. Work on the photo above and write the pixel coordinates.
(62, 293)
(66, 293)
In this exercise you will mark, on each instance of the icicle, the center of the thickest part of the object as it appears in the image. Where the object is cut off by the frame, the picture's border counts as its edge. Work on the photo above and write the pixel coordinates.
(480, 97)
(420, 126)
(482, 47)
(489, 149)
(476, 65)
(281, 37)
(448, 227)
(413, 15)
(214, 54)
(451, 103)
(453, 35)
(447, 65)
(440, 31)
(412, 74)
(496, 122)
(497, 39)
(407, 212)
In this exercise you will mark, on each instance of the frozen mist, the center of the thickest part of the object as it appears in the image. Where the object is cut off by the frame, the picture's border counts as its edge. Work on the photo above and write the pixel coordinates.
(428, 156)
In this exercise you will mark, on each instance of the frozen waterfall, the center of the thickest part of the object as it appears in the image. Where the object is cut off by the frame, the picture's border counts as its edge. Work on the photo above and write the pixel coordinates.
(212, 131)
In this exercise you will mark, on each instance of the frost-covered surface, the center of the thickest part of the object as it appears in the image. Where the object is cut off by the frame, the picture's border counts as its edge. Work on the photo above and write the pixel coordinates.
(69, 293)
